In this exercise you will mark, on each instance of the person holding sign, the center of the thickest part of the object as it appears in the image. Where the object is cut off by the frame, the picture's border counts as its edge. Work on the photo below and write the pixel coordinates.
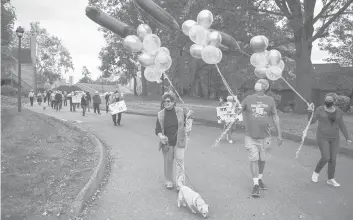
(170, 129)
(259, 112)
(330, 122)
(114, 98)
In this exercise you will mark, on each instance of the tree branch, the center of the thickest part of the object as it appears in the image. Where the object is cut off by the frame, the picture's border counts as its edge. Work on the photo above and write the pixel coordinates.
(344, 13)
(268, 12)
(281, 4)
(282, 42)
(332, 19)
(323, 10)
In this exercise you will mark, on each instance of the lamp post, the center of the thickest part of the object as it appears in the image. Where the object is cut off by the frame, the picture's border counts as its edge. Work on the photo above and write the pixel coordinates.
(19, 33)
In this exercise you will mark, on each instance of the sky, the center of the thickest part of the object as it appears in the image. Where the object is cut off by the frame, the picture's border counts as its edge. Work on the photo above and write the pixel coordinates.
(66, 19)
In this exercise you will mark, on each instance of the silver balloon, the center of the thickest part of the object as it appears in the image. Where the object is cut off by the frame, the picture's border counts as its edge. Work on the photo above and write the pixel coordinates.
(205, 18)
(146, 59)
(187, 25)
(152, 73)
(143, 30)
(132, 43)
(258, 44)
(214, 38)
(196, 51)
(260, 72)
(274, 57)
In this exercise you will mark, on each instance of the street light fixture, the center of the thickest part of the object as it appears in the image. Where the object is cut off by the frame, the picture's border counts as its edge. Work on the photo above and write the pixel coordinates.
(19, 33)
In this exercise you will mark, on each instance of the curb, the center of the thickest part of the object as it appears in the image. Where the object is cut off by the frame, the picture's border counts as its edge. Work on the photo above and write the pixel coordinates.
(296, 138)
(93, 184)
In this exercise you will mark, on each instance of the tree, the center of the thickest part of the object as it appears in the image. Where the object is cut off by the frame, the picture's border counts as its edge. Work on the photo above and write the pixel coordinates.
(339, 42)
(53, 58)
(8, 17)
(298, 17)
(86, 75)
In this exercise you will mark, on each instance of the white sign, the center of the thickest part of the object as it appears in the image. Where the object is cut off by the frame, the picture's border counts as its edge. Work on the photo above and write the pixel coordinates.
(76, 99)
(117, 107)
(225, 113)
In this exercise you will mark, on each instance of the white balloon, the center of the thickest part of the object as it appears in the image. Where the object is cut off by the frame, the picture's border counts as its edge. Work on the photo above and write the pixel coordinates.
(281, 65)
(151, 43)
(258, 60)
(274, 57)
(205, 18)
(199, 35)
(274, 73)
(211, 54)
(166, 65)
(152, 73)
(187, 25)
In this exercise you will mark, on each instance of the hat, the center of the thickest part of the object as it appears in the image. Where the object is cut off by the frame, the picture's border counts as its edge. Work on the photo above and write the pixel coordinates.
(96, 92)
(264, 82)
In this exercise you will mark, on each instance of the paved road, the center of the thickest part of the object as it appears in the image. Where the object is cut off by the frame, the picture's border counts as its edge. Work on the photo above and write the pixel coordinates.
(221, 175)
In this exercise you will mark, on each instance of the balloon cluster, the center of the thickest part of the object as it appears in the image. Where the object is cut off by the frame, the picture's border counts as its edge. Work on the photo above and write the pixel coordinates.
(206, 41)
(155, 58)
(267, 63)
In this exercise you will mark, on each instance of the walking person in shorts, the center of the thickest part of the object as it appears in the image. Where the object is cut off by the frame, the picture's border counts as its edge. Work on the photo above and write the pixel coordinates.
(259, 112)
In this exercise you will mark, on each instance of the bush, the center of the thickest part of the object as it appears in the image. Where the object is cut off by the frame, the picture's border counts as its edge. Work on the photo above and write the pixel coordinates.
(8, 90)
(343, 103)
(276, 97)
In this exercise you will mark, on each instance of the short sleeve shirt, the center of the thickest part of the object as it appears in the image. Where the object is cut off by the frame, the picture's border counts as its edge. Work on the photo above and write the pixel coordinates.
(258, 112)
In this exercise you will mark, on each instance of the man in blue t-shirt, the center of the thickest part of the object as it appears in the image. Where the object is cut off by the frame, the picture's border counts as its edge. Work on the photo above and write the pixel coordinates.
(259, 111)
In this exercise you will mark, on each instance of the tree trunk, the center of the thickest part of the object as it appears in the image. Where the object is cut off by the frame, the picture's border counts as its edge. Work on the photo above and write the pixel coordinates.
(135, 85)
(304, 72)
(144, 82)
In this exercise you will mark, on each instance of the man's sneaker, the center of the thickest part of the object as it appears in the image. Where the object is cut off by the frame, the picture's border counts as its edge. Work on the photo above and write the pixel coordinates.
(333, 182)
(256, 191)
(230, 141)
(262, 185)
(315, 177)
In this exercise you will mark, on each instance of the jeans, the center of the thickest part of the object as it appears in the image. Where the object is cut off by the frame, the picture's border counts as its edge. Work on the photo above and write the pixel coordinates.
(329, 149)
(114, 118)
(174, 156)
(72, 107)
(88, 105)
(31, 100)
(96, 108)
(83, 110)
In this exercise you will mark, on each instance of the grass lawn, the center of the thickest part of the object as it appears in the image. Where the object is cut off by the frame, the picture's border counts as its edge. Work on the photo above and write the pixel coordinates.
(44, 164)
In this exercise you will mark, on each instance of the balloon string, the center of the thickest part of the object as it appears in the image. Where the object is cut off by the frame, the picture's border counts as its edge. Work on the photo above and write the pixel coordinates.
(223, 133)
(295, 90)
(305, 132)
(226, 85)
(171, 84)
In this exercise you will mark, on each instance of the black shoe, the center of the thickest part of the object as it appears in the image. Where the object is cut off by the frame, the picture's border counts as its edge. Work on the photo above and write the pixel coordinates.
(256, 191)
(115, 124)
(262, 185)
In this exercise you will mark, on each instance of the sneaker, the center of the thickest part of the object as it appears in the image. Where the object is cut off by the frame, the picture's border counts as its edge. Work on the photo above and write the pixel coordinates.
(262, 185)
(333, 182)
(230, 141)
(256, 191)
(315, 177)
(169, 185)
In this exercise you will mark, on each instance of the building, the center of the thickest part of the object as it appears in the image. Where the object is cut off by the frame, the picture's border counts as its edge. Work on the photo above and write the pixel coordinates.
(9, 66)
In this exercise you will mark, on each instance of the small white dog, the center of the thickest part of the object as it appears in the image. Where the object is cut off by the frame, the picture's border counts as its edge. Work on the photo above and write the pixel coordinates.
(190, 198)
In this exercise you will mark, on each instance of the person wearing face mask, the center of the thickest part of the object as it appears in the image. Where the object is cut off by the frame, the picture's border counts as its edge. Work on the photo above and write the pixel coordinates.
(170, 129)
(330, 122)
(259, 111)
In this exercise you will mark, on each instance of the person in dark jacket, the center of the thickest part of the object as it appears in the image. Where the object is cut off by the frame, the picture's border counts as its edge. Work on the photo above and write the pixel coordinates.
(72, 106)
(58, 101)
(84, 104)
(96, 102)
(107, 102)
(330, 122)
(89, 99)
(48, 97)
